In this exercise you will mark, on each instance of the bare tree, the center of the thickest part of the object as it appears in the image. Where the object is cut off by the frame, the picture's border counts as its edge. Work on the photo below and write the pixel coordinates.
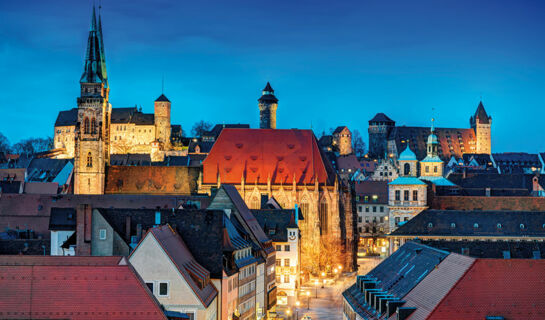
(200, 127)
(4, 144)
(33, 145)
(358, 146)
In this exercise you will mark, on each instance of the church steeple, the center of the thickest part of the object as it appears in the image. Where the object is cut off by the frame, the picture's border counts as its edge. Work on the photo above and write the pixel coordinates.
(94, 70)
(102, 54)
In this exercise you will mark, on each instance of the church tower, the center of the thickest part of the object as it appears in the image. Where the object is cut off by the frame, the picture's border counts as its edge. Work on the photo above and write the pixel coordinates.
(93, 124)
(162, 121)
(432, 165)
(267, 108)
(481, 123)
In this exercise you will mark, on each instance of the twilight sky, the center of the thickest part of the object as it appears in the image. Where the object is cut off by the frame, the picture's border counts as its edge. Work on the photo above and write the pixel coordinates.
(330, 62)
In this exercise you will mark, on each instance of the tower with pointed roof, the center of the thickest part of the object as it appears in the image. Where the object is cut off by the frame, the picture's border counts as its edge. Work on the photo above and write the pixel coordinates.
(379, 130)
(432, 165)
(267, 108)
(408, 163)
(93, 117)
(162, 121)
(481, 123)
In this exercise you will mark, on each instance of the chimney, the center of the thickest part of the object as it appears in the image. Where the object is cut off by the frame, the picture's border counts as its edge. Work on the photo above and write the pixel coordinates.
(128, 227)
(403, 313)
(487, 192)
(464, 173)
(83, 230)
(139, 231)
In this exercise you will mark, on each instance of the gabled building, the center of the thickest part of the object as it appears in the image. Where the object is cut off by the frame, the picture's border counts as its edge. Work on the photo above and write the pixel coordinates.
(92, 288)
(171, 273)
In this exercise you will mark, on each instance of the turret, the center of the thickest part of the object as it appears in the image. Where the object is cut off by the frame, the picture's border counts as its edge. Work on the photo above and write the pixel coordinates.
(267, 108)
(162, 120)
(481, 123)
(379, 129)
(432, 165)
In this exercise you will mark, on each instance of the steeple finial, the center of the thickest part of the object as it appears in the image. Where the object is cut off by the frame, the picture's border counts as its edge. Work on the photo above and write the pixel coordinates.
(95, 63)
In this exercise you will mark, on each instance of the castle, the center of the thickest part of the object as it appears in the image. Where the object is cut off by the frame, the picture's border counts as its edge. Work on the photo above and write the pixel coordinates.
(387, 139)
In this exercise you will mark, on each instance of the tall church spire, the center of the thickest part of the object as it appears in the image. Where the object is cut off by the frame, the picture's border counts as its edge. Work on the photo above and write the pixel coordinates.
(95, 63)
(102, 54)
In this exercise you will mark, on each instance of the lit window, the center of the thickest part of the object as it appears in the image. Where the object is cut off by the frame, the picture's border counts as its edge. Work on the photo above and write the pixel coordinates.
(89, 160)
(102, 234)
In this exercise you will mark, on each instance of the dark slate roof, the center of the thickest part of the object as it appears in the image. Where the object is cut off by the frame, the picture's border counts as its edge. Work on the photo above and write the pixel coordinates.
(491, 249)
(67, 118)
(339, 129)
(25, 246)
(44, 169)
(132, 115)
(381, 117)
(499, 184)
(481, 114)
(275, 222)
(481, 159)
(268, 97)
(404, 269)
(516, 162)
(62, 219)
(201, 230)
(205, 146)
(130, 159)
(162, 98)
(458, 139)
(371, 188)
(216, 130)
(462, 224)
(325, 141)
(178, 161)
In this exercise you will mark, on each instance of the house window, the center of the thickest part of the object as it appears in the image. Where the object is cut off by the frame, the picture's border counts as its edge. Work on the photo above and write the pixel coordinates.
(366, 209)
(278, 262)
(286, 262)
(360, 209)
(102, 234)
(407, 169)
(374, 208)
(381, 209)
(381, 219)
(278, 279)
(359, 219)
(435, 169)
(287, 247)
(397, 220)
(406, 195)
(415, 195)
(89, 160)
(150, 286)
(163, 289)
(286, 278)
(278, 247)
(398, 195)
(427, 169)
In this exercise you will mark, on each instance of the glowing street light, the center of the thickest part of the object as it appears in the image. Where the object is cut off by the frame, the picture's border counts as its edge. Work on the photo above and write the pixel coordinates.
(316, 286)
(308, 300)
(297, 304)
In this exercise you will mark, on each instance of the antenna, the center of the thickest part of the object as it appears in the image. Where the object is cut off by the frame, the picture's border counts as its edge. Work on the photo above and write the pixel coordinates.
(432, 119)
(163, 84)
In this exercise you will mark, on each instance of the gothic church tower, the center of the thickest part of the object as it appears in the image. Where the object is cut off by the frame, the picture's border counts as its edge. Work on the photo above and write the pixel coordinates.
(93, 124)
(481, 123)
(267, 108)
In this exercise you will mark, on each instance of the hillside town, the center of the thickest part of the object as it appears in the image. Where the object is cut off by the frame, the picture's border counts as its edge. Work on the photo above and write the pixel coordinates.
(122, 215)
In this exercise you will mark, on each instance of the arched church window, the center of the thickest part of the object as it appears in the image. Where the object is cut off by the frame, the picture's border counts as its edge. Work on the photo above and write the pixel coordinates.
(86, 126)
(407, 169)
(323, 215)
(89, 160)
(94, 126)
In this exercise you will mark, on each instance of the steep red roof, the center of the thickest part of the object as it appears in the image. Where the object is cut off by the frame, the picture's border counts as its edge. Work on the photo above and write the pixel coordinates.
(260, 154)
(18, 260)
(511, 288)
(74, 292)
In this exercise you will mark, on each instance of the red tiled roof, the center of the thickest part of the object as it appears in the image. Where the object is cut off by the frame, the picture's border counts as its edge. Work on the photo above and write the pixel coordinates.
(151, 180)
(176, 249)
(262, 154)
(511, 288)
(19, 260)
(75, 292)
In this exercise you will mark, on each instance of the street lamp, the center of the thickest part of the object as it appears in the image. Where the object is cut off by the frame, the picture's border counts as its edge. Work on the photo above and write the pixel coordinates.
(288, 312)
(297, 304)
(308, 300)
(316, 286)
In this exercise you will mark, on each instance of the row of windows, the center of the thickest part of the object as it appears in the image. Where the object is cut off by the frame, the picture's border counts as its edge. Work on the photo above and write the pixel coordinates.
(406, 195)
(279, 247)
(368, 229)
(246, 306)
(374, 208)
(246, 272)
(159, 288)
(286, 278)
(247, 288)
(368, 219)
(286, 262)
(374, 198)
(240, 254)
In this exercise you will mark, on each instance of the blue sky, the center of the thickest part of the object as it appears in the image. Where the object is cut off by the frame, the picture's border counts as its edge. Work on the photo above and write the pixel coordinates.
(330, 62)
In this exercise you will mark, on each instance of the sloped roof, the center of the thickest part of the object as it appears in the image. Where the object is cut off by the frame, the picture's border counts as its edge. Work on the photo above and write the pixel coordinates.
(510, 288)
(62, 219)
(404, 269)
(131, 115)
(498, 183)
(89, 291)
(16, 260)
(370, 188)
(277, 220)
(44, 169)
(481, 114)
(162, 98)
(381, 117)
(406, 181)
(262, 154)
(67, 118)
(216, 130)
(464, 224)
(180, 255)
(461, 140)
(490, 248)
(430, 291)
(407, 155)
(438, 181)
(339, 129)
